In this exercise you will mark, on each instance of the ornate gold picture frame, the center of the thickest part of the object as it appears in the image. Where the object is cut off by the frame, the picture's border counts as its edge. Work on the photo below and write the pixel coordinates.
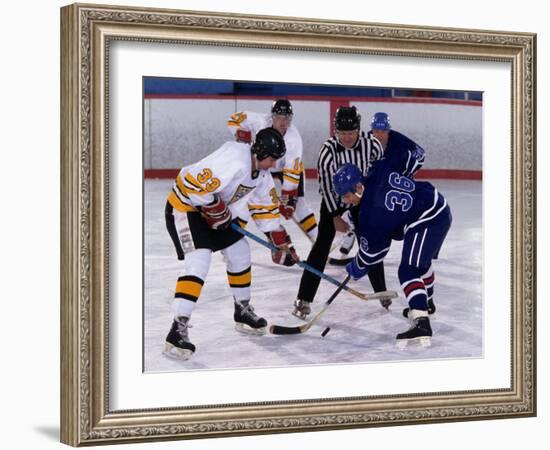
(87, 414)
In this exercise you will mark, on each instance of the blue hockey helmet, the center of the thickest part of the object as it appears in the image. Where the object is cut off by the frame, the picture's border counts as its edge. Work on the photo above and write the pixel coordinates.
(346, 178)
(380, 121)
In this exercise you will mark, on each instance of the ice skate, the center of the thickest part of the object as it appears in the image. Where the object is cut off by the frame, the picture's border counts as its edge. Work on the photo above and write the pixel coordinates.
(301, 309)
(177, 344)
(431, 309)
(420, 331)
(246, 320)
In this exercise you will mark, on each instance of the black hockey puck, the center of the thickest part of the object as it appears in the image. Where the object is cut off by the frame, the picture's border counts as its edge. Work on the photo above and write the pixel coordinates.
(325, 331)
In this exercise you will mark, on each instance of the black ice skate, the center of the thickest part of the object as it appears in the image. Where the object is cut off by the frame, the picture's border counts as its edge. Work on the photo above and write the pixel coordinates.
(177, 342)
(431, 309)
(420, 331)
(301, 309)
(246, 320)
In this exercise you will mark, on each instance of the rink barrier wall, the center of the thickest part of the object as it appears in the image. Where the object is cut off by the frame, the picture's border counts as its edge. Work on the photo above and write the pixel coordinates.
(342, 99)
(182, 129)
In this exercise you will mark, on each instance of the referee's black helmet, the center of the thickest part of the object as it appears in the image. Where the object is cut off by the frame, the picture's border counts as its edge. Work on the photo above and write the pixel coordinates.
(347, 118)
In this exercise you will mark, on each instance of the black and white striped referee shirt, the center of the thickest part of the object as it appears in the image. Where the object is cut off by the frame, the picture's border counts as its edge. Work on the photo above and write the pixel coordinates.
(333, 155)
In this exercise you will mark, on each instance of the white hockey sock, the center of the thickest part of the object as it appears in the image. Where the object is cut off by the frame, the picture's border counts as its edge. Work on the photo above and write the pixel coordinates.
(183, 307)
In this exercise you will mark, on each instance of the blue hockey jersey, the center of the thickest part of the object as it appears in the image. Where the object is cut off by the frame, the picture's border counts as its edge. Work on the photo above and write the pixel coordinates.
(403, 154)
(391, 204)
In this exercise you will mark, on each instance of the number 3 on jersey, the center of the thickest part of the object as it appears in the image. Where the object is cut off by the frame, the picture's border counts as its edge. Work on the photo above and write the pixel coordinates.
(205, 178)
(400, 194)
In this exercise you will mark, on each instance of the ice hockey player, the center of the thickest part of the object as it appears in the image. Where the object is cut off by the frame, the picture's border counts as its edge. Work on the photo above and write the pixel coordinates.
(199, 212)
(395, 207)
(403, 154)
(349, 143)
(289, 169)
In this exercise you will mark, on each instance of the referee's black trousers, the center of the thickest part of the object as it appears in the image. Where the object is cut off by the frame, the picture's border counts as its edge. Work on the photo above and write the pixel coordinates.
(318, 256)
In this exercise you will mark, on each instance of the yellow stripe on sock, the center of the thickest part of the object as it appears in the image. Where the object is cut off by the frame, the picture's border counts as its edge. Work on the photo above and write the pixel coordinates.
(309, 223)
(189, 288)
(240, 280)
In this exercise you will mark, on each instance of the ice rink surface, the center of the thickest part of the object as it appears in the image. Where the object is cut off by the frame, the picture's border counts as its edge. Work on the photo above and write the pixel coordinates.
(361, 332)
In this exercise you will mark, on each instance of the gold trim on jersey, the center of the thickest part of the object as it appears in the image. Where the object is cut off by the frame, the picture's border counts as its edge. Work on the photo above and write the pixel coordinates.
(177, 204)
(291, 178)
(261, 212)
(191, 186)
(178, 198)
(293, 175)
(294, 171)
(271, 207)
(265, 215)
(236, 119)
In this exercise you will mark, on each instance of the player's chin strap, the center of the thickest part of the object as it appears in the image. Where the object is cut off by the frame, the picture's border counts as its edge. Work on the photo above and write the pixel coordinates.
(254, 172)
(360, 194)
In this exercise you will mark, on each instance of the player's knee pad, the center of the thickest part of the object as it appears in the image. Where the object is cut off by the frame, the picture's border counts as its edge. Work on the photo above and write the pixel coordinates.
(189, 285)
(197, 263)
(239, 270)
(237, 256)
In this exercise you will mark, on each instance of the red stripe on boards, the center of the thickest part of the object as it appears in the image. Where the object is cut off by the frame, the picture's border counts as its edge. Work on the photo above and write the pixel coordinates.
(161, 173)
(450, 174)
(422, 174)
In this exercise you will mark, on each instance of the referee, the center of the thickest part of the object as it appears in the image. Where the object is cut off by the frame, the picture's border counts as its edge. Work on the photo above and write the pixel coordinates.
(349, 145)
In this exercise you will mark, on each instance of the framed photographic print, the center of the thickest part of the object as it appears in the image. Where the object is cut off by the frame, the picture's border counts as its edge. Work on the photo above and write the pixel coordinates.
(190, 138)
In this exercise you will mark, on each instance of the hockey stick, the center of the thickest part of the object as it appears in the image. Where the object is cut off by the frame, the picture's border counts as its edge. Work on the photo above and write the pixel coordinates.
(340, 262)
(306, 266)
(279, 329)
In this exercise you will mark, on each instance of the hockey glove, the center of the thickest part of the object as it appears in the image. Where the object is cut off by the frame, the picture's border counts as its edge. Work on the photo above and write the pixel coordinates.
(217, 214)
(355, 271)
(286, 255)
(288, 203)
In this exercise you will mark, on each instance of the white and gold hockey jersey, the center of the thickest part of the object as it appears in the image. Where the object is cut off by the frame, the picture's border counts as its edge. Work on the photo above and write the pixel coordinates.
(291, 165)
(228, 173)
